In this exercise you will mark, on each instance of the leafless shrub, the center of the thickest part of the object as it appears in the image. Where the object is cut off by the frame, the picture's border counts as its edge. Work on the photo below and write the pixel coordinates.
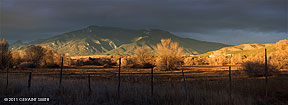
(103, 61)
(107, 62)
(280, 57)
(6, 56)
(127, 62)
(218, 58)
(257, 68)
(170, 54)
(190, 61)
(142, 57)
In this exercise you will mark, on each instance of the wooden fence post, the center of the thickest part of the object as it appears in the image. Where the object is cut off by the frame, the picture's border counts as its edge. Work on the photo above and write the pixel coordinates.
(230, 83)
(185, 84)
(61, 72)
(29, 80)
(7, 79)
(89, 81)
(266, 74)
(118, 90)
(152, 84)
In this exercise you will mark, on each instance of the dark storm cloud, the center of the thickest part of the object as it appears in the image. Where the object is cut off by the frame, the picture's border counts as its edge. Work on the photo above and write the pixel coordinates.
(210, 20)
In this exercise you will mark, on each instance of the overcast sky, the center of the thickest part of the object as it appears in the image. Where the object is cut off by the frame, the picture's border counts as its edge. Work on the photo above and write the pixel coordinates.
(225, 21)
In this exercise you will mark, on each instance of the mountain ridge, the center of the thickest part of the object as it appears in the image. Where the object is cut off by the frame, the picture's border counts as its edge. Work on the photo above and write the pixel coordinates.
(94, 40)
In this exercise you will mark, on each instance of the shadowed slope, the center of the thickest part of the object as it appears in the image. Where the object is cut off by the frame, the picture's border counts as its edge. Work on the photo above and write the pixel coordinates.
(117, 41)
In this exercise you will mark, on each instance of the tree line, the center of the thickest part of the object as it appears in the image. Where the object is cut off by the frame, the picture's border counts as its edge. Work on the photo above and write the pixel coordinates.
(33, 56)
(167, 55)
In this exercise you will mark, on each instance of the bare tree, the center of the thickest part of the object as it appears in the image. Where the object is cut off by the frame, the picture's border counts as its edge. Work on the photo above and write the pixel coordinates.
(35, 54)
(53, 58)
(143, 56)
(170, 55)
(6, 56)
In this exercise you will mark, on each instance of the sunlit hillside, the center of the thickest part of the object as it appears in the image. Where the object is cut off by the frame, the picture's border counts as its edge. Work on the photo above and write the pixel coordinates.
(251, 49)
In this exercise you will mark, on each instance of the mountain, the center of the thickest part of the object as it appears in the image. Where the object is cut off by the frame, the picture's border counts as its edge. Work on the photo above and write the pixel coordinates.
(116, 41)
(17, 45)
(250, 50)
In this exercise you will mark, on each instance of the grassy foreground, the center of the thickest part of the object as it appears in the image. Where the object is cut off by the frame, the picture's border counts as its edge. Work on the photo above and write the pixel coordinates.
(136, 90)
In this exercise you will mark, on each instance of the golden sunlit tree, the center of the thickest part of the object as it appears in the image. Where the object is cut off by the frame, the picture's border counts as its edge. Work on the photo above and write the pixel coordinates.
(169, 54)
(16, 55)
(280, 57)
(143, 56)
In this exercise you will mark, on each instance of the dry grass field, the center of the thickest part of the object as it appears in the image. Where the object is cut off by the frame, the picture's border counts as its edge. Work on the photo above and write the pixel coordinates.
(206, 85)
